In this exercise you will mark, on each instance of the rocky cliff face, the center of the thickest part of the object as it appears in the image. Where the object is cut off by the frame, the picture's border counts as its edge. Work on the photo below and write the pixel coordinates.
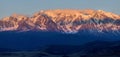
(66, 21)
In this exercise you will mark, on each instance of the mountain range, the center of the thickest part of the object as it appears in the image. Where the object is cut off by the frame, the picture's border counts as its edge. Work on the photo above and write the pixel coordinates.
(83, 33)
(65, 21)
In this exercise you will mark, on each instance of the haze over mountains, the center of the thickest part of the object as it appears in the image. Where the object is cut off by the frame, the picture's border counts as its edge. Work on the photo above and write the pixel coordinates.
(65, 21)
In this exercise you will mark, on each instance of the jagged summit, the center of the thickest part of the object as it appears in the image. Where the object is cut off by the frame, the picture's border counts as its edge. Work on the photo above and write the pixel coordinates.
(67, 21)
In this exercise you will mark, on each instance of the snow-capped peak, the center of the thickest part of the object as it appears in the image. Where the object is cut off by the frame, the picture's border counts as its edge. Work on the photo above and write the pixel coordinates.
(68, 21)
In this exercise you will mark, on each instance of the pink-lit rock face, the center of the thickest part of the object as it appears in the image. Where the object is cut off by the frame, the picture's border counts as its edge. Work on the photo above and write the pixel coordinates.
(66, 21)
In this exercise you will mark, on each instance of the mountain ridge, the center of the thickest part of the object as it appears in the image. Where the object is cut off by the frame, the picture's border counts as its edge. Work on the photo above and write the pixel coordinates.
(66, 21)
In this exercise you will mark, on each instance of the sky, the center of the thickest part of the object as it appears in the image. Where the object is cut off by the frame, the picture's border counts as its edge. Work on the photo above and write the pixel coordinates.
(29, 7)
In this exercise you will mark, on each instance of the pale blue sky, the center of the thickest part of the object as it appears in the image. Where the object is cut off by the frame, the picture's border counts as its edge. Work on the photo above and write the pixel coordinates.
(28, 7)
